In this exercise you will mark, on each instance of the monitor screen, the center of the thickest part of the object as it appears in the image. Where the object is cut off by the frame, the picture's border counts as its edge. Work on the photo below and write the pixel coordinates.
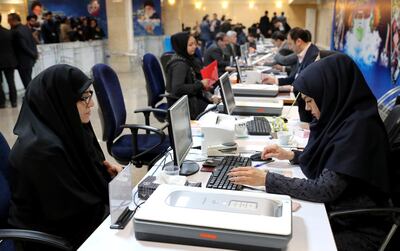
(227, 93)
(244, 52)
(239, 71)
(180, 132)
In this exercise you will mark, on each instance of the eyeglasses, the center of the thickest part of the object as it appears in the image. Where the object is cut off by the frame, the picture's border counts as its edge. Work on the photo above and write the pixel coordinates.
(86, 97)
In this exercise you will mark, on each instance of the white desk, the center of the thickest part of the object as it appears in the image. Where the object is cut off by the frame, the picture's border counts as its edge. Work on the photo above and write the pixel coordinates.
(311, 228)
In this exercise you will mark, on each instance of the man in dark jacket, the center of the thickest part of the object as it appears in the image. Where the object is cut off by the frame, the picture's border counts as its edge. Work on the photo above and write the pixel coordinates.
(299, 40)
(24, 47)
(8, 63)
(265, 25)
(215, 52)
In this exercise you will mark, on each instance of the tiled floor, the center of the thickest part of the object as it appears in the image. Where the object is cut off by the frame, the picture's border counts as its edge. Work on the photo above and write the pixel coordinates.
(133, 87)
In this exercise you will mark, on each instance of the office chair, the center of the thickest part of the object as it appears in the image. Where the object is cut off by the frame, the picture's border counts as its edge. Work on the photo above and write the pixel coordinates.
(7, 234)
(155, 86)
(136, 148)
(392, 125)
(198, 55)
(164, 59)
(387, 101)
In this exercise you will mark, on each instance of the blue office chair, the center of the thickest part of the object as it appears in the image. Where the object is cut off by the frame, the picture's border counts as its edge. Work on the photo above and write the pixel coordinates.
(7, 234)
(198, 55)
(136, 148)
(155, 86)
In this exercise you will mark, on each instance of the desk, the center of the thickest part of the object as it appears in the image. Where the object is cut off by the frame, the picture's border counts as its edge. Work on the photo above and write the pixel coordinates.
(311, 228)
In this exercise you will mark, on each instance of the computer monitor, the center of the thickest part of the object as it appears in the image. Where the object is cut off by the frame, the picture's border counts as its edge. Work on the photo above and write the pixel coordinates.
(239, 71)
(244, 52)
(180, 135)
(227, 94)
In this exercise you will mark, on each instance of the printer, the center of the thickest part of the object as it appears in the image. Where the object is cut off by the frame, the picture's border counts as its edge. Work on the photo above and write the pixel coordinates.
(259, 90)
(237, 220)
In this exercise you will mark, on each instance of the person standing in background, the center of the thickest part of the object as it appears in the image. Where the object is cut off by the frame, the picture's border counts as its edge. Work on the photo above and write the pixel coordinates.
(8, 62)
(33, 25)
(265, 25)
(24, 47)
(49, 29)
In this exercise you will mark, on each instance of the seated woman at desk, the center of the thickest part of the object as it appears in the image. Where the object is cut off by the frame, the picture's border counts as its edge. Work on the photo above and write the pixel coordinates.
(345, 159)
(59, 181)
(183, 75)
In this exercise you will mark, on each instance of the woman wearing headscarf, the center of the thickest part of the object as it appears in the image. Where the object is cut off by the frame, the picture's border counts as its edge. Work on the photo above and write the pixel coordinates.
(59, 180)
(183, 74)
(345, 160)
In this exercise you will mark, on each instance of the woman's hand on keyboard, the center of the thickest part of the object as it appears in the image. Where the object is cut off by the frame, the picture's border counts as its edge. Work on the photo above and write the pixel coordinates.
(247, 176)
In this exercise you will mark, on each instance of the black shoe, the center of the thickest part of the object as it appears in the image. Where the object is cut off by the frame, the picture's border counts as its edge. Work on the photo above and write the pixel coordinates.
(14, 105)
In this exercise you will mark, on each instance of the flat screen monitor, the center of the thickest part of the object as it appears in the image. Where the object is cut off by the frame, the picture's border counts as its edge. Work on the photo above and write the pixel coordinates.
(227, 94)
(180, 134)
(244, 52)
(239, 71)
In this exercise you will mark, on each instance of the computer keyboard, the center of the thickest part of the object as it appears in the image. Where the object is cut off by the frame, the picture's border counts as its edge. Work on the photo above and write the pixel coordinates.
(258, 126)
(219, 178)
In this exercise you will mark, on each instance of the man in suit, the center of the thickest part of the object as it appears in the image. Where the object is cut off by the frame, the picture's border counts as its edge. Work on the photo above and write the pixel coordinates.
(24, 47)
(215, 52)
(284, 56)
(8, 63)
(299, 41)
(232, 49)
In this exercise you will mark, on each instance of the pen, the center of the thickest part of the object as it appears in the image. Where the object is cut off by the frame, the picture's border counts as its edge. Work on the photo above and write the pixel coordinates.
(216, 122)
(259, 165)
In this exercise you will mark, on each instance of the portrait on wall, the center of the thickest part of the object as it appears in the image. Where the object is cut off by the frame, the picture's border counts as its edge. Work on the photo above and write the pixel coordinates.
(147, 18)
(395, 48)
(361, 29)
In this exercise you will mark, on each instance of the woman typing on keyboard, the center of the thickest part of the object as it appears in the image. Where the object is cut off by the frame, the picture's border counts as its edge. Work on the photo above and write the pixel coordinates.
(59, 180)
(345, 160)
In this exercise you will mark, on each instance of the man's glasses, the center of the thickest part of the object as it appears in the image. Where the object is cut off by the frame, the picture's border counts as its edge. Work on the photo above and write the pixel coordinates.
(86, 97)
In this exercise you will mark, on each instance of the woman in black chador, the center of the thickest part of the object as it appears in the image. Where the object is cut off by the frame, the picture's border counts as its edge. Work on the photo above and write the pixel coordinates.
(346, 158)
(59, 176)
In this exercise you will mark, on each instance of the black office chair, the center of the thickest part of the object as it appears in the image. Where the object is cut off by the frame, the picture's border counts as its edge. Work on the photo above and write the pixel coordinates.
(7, 234)
(140, 149)
(164, 59)
(392, 239)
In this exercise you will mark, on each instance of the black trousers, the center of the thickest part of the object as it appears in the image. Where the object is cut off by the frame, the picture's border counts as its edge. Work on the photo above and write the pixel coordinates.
(26, 75)
(9, 74)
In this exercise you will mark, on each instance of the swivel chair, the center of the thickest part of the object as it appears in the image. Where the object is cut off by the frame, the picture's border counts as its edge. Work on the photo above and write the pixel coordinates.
(140, 149)
(155, 86)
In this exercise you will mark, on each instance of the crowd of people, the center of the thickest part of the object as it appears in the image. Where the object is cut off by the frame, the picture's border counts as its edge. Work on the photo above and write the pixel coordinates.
(48, 29)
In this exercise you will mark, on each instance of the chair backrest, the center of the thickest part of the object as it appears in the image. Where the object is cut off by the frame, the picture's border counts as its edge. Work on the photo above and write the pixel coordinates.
(164, 59)
(392, 125)
(111, 101)
(198, 55)
(5, 193)
(155, 84)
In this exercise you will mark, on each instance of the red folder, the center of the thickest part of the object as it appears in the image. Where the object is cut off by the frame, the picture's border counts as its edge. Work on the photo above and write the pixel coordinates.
(210, 72)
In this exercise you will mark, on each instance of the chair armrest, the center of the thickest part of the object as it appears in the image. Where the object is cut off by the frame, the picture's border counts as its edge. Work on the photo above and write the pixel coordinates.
(146, 112)
(35, 236)
(388, 210)
(134, 130)
(168, 96)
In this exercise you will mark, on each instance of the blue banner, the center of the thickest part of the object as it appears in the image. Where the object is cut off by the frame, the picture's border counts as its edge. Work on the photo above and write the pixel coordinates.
(361, 29)
(76, 8)
(147, 18)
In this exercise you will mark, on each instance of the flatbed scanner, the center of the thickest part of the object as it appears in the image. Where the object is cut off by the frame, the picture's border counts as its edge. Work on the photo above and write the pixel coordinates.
(255, 90)
(216, 218)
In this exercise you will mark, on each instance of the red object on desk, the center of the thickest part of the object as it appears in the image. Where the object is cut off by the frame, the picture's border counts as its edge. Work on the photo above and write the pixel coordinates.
(210, 72)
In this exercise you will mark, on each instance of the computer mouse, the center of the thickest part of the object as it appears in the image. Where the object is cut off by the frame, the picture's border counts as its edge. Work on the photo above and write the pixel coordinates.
(257, 157)
(229, 144)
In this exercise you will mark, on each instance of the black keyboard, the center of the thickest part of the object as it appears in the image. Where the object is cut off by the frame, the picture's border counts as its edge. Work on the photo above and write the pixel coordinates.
(258, 126)
(219, 178)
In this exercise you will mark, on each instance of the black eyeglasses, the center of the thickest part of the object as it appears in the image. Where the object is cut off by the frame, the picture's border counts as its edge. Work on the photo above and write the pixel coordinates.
(86, 97)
